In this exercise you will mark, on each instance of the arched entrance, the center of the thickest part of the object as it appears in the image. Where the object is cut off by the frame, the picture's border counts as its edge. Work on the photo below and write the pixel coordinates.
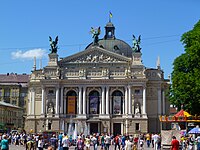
(94, 102)
(71, 102)
(117, 102)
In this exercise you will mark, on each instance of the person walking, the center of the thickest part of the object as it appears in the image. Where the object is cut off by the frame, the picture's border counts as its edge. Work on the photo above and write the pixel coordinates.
(87, 142)
(174, 143)
(94, 141)
(54, 141)
(80, 143)
(148, 138)
(107, 141)
(40, 143)
(198, 142)
(4, 143)
(65, 142)
(117, 142)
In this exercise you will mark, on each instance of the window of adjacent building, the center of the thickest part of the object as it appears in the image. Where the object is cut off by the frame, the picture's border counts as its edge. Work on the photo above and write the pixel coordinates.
(14, 102)
(137, 126)
(14, 93)
(7, 92)
(23, 94)
(1, 92)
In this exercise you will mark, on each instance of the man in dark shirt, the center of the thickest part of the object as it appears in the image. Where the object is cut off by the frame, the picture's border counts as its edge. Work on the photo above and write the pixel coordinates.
(54, 142)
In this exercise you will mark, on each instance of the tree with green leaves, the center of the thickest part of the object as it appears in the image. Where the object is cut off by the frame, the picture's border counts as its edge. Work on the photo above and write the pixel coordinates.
(185, 88)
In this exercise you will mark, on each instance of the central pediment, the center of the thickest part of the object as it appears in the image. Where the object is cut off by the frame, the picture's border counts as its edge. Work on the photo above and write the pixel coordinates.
(95, 55)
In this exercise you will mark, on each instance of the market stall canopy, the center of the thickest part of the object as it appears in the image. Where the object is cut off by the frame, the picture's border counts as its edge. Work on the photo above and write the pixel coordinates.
(182, 113)
(195, 130)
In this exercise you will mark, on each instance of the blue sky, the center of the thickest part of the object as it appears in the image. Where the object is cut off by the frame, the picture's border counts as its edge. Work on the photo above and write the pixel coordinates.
(25, 27)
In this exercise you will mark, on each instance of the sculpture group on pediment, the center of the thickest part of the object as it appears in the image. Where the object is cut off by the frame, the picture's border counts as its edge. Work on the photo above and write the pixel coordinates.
(89, 58)
(96, 58)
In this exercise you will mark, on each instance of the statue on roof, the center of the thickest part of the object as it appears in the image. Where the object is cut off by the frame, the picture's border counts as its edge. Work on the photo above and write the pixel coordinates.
(96, 32)
(136, 44)
(53, 44)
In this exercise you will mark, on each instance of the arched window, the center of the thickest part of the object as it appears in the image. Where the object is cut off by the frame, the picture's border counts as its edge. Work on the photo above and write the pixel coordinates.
(71, 102)
(94, 102)
(117, 102)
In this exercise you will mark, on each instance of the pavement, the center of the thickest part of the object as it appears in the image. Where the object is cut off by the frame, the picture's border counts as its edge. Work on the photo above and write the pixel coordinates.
(14, 147)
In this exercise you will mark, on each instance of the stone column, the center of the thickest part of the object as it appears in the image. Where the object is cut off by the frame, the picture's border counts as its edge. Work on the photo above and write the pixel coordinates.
(159, 101)
(57, 100)
(103, 100)
(129, 100)
(43, 111)
(126, 126)
(126, 100)
(144, 101)
(163, 99)
(65, 105)
(61, 99)
(80, 101)
(30, 101)
(88, 128)
(107, 100)
(84, 100)
(33, 102)
(88, 105)
(76, 129)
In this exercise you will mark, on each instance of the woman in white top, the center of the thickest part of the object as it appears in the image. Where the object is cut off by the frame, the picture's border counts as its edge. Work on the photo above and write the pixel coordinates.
(40, 143)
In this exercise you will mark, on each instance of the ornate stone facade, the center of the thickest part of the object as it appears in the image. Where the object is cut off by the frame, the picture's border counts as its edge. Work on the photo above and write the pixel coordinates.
(104, 88)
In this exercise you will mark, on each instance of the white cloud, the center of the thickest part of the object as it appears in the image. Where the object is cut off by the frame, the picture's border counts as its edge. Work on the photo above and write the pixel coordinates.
(30, 54)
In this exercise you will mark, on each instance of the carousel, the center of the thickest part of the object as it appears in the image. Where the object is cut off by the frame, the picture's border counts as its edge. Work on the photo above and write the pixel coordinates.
(180, 120)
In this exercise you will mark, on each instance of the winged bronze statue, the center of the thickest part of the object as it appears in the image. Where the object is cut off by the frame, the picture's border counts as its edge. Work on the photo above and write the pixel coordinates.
(96, 32)
(136, 44)
(53, 44)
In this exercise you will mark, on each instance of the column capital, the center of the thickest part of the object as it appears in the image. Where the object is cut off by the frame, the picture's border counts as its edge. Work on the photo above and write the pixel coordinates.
(43, 86)
(103, 86)
(129, 86)
(57, 86)
(144, 86)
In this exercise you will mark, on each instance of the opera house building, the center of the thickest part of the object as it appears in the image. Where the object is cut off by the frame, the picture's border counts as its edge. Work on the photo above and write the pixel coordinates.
(104, 88)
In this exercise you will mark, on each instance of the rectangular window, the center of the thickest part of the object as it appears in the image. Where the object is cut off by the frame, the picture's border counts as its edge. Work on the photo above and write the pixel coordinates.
(1, 92)
(23, 94)
(14, 102)
(7, 92)
(137, 92)
(137, 126)
(14, 93)
(51, 92)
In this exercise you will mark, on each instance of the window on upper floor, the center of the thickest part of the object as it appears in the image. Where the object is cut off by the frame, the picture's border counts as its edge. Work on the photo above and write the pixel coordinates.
(1, 94)
(51, 92)
(14, 93)
(14, 102)
(22, 94)
(137, 92)
(7, 92)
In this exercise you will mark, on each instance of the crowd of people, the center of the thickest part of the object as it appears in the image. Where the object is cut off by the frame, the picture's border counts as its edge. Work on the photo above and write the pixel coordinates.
(96, 141)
